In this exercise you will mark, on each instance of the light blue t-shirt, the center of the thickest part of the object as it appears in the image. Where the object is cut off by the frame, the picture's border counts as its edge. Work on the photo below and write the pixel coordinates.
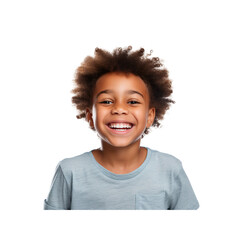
(160, 183)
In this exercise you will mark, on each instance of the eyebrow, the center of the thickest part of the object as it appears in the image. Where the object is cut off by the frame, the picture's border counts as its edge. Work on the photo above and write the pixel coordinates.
(128, 92)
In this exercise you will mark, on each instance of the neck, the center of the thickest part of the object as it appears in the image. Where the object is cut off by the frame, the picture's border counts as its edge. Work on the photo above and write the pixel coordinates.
(121, 157)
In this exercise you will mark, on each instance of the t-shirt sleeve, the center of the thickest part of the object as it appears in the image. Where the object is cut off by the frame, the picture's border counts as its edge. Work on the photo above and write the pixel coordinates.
(59, 197)
(183, 196)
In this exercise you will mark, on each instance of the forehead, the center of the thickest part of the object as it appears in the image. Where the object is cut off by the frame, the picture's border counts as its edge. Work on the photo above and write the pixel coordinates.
(120, 83)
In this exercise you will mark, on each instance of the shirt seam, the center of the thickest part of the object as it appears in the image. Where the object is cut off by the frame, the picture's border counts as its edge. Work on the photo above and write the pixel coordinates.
(68, 184)
(172, 183)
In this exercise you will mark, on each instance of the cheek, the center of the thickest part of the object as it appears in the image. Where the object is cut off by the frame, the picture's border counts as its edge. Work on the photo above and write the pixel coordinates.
(95, 115)
(98, 115)
(141, 115)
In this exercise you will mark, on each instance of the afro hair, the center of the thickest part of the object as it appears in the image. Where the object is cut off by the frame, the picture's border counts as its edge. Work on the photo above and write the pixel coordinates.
(123, 60)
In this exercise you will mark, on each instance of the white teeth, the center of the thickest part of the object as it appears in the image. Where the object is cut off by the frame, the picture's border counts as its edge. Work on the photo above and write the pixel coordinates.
(120, 125)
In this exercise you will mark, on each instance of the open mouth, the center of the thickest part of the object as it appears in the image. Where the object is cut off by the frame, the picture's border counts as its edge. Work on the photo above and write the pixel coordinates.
(120, 127)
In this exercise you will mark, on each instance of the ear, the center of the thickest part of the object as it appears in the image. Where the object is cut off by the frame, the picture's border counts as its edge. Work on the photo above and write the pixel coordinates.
(151, 117)
(89, 117)
(88, 114)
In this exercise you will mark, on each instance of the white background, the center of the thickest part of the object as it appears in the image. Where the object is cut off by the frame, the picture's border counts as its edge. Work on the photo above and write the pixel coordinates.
(43, 42)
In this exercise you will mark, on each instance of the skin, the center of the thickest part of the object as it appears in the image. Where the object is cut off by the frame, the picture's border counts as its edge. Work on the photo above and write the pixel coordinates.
(120, 153)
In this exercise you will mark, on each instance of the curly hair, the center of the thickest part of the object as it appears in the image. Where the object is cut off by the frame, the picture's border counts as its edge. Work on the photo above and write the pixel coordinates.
(150, 70)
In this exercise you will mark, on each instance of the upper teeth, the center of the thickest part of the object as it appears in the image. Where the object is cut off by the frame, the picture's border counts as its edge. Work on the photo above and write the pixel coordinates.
(120, 125)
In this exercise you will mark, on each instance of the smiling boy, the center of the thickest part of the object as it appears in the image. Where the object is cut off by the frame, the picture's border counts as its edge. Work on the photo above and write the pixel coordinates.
(121, 95)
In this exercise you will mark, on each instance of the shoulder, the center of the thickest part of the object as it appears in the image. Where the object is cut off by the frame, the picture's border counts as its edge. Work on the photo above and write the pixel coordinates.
(166, 161)
(75, 163)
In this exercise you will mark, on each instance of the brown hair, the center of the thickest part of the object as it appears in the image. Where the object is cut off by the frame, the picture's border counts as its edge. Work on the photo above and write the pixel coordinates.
(150, 70)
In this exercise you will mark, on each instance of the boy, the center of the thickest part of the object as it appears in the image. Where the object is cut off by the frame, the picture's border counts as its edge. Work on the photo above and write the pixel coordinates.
(121, 94)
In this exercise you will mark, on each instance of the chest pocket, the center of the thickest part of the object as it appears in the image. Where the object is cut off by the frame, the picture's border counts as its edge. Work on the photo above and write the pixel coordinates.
(151, 202)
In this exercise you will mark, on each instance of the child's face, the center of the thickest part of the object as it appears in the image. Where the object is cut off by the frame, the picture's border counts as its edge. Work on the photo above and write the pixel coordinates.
(120, 111)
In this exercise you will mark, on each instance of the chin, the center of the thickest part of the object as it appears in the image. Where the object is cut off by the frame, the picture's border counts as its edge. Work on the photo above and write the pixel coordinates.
(121, 142)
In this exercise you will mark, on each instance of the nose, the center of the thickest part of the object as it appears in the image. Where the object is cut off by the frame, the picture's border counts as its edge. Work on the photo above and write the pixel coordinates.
(119, 108)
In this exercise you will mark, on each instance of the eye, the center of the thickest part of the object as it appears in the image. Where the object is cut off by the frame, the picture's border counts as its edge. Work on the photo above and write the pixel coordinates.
(134, 102)
(106, 102)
